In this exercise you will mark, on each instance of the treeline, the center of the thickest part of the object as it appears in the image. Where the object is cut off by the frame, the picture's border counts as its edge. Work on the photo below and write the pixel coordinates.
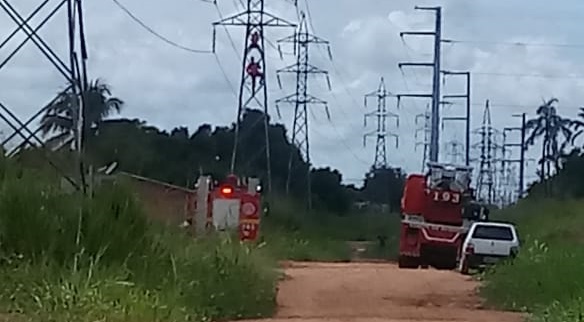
(179, 156)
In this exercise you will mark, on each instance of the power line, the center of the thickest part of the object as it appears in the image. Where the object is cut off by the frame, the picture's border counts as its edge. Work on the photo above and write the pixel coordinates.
(528, 75)
(512, 43)
(224, 73)
(158, 35)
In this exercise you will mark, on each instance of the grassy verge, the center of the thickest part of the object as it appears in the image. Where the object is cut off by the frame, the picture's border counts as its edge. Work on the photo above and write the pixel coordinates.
(546, 279)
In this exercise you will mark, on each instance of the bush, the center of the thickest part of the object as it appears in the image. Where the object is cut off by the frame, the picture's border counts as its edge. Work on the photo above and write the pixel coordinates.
(545, 279)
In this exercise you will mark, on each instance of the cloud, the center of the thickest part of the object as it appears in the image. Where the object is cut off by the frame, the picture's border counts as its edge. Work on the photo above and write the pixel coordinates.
(171, 87)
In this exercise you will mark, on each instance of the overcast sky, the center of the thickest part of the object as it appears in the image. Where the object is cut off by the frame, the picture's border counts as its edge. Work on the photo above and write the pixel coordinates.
(171, 87)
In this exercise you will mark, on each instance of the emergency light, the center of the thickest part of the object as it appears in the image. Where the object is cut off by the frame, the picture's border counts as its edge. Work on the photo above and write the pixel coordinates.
(226, 190)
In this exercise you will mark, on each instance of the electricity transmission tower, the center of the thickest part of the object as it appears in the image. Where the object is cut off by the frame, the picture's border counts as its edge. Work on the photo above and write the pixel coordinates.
(487, 159)
(454, 150)
(435, 64)
(425, 128)
(521, 145)
(253, 91)
(301, 99)
(465, 118)
(72, 66)
(381, 133)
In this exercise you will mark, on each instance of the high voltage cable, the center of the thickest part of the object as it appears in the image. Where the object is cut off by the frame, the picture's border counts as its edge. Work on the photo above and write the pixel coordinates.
(512, 43)
(528, 75)
(158, 35)
(176, 45)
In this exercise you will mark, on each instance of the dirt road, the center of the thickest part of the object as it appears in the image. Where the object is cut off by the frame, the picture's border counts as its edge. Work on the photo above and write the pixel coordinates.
(362, 292)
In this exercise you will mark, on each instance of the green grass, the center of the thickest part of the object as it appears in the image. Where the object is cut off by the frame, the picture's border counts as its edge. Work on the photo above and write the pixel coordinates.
(546, 279)
(293, 233)
(68, 258)
(63, 258)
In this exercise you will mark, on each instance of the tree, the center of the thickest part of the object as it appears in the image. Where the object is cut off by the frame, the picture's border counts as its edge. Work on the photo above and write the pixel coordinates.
(328, 190)
(568, 181)
(549, 125)
(385, 186)
(578, 125)
(62, 116)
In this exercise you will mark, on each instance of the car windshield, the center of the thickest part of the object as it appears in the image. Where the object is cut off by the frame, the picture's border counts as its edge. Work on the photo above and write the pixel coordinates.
(493, 232)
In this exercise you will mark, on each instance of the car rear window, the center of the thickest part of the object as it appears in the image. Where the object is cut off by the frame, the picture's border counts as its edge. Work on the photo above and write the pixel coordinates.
(493, 232)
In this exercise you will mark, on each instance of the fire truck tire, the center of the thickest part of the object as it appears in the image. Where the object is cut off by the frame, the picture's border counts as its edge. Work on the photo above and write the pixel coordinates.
(408, 262)
(464, 269)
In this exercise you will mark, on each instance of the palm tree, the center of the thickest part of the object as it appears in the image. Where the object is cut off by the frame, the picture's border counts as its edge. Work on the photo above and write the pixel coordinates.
(549, 125)
(578, 125)
(61, 117)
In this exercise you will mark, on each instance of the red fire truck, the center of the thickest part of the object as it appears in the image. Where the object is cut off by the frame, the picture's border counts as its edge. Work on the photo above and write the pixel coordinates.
(437, 210)
(230, 204)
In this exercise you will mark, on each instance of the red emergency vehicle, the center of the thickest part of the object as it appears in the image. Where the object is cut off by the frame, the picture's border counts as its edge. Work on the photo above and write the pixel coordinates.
(230, 204)
(437, 211)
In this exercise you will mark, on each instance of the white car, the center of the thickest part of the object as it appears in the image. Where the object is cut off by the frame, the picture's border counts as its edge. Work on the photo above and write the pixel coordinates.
(486, 243)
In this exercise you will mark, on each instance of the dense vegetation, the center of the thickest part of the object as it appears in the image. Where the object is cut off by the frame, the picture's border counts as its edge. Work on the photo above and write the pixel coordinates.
(546, 278)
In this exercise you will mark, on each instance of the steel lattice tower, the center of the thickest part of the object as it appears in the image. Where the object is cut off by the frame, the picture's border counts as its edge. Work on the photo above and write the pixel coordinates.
(381, 133)
(426, 129)
(253, 91)
(487, 159)
(454, 150)
(302, 39)
(72, 66)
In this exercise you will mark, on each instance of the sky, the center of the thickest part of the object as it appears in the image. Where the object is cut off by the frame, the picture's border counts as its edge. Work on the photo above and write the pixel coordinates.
(519, 53)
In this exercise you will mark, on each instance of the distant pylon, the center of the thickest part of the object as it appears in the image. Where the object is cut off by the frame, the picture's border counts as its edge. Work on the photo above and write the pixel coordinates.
(381, 133)
(454, 150)
(487, 168)
(426, 129)
(301, 99)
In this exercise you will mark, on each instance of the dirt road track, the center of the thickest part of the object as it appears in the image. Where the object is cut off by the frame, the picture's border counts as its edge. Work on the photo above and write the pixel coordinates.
(363, 292)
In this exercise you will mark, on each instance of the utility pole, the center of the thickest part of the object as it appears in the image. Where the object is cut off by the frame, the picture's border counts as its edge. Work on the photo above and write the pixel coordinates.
(487, 147)
(435, 114)
(425, 128)
(72, 66)
(253, 90)
(301, 99)
(381, 133)
(521, 146)
(466, 118)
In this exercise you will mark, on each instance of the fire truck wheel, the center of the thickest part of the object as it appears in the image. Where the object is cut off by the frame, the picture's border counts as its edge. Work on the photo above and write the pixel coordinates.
(408, 262)
(464, 269)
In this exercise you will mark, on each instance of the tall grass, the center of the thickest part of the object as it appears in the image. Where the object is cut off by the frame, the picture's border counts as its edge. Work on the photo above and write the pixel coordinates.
(546, 279)
(66, 258)
(293, 233)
